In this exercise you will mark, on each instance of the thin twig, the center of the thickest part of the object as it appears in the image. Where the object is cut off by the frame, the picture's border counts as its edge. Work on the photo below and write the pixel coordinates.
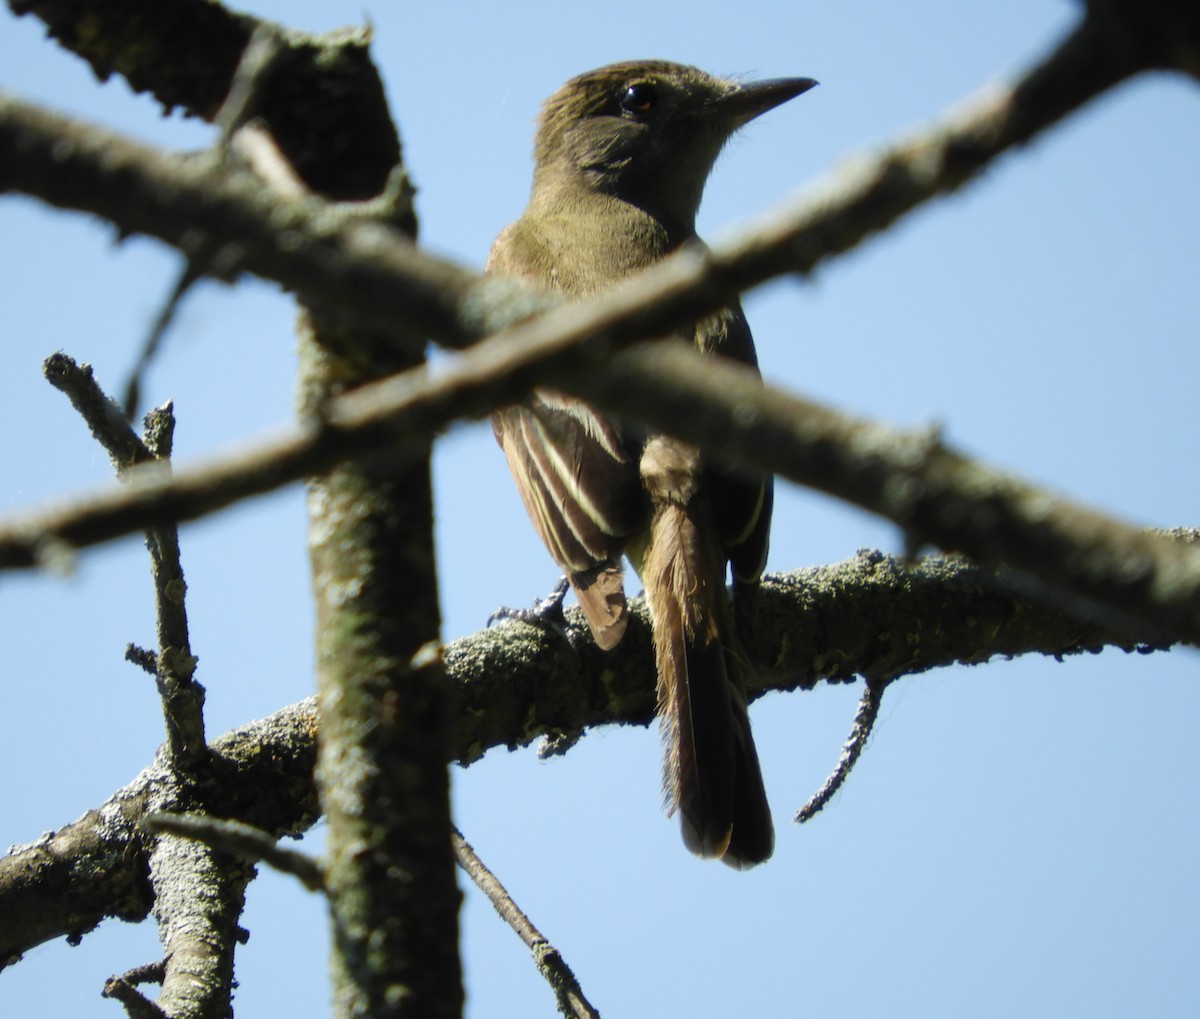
(193, 270)
(182, 697)
(552, 966)
(257, 61)
(146, 973)
(244, 840)
(103, 417)
(856, 741)
(141, 657)
(136, 1004)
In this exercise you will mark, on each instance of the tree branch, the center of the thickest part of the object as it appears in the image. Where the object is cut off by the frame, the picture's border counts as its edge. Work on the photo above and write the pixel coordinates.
(516, 683)
(375, 273)
(856, 743)
(183, 53)
(321, 96)
(98, 866)
(199, 895)
(449, 302)
(244, 840)
(935, 493)
(174, 665)
(567, 993)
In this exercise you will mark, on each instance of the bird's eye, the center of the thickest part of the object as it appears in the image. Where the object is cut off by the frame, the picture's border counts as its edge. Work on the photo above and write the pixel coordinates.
(639, 98)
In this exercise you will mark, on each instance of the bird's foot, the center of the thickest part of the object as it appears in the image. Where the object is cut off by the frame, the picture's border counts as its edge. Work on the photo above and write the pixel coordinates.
(546, 611)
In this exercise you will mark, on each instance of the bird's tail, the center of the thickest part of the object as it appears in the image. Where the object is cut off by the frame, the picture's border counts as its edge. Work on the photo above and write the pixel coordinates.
(711, 773)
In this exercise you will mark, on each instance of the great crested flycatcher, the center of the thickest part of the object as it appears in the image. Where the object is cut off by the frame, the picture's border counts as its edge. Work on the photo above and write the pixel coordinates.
(622, 155)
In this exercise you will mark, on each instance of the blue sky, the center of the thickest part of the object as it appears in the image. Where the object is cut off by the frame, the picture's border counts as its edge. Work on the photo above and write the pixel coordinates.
(1018, 838)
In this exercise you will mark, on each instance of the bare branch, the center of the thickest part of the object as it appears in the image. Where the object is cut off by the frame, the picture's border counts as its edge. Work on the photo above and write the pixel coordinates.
(856, 742)
(192, 271)
(832, 624)
(142, 658)
(66, 882)
(320, 95)
(102, 415)
(184, 53)
(182, 697)
(338, 262)
(98, 866)
(881, 189)
(259, 57)
(219, 210)
(175, 667)
(567, 992)
(137, 1005)
(912, 478)
(240, 839)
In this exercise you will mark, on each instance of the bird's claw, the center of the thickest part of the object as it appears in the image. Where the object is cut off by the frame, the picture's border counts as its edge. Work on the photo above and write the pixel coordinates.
(546, 611)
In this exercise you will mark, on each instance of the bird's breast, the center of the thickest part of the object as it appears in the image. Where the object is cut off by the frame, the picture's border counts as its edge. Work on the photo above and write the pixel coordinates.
(585, 244)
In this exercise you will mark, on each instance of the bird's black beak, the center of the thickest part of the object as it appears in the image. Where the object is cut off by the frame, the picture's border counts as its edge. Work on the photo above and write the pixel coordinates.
(747, 101)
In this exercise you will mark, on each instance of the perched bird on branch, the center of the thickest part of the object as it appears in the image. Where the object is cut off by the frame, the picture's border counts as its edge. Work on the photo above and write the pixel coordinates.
(622, 155)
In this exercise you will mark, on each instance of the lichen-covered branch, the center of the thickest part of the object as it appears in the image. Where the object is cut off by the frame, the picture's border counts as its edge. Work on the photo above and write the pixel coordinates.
(384, 702)
(182, 697)
(516, 683)
(389, 280)
(382, 768)
(244, 840)
(199, 895)
(339, 260)
(937, 494)
(98, 866)
(322, 97)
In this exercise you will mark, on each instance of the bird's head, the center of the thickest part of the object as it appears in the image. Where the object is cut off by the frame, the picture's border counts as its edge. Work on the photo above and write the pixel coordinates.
(648, 132)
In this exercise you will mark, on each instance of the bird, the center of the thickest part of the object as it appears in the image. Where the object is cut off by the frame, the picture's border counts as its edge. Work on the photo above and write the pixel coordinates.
(621, 157)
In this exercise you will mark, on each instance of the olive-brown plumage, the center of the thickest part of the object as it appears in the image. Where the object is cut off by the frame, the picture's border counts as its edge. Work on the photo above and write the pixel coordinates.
(621, 158)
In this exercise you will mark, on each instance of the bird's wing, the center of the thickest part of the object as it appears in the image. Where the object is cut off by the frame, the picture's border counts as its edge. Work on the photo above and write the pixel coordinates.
(742, 498)
(577, 480)
(576, 473)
